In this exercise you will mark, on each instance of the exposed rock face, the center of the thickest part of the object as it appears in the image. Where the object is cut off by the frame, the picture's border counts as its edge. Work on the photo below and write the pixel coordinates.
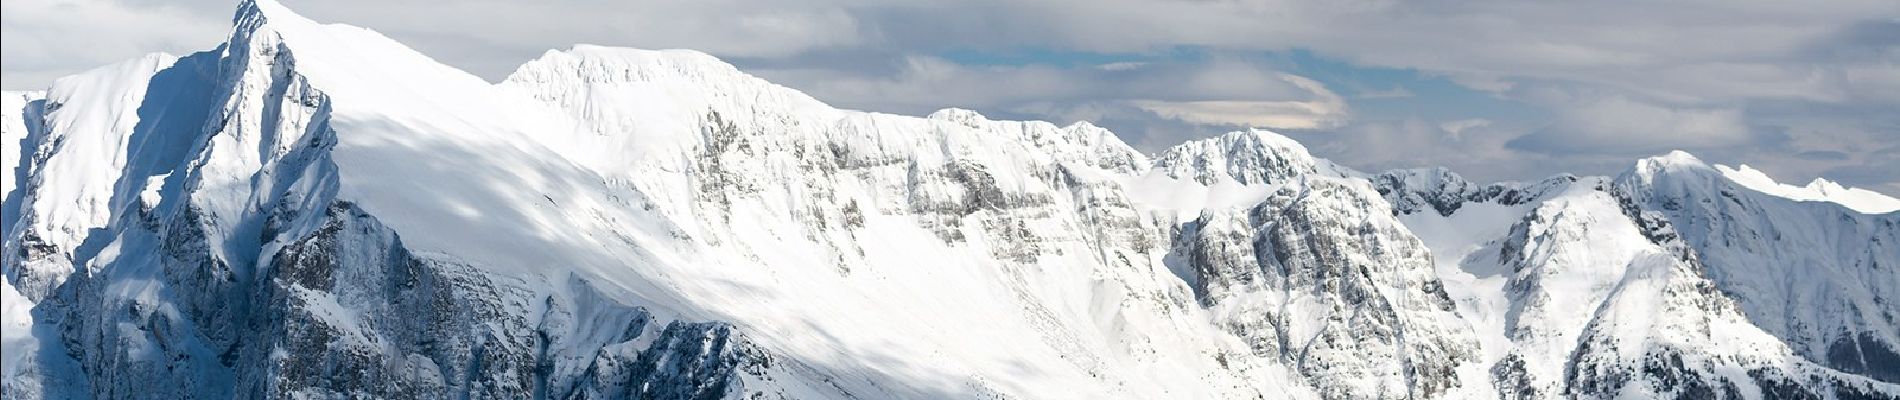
(1320, 276)
(315, 211)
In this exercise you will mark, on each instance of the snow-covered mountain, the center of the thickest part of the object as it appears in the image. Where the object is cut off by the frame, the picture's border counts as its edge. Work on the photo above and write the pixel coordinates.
(1623, 287)
(317, 211)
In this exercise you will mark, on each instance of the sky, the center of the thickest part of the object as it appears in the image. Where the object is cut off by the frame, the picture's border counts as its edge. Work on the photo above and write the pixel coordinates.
(1493, 89)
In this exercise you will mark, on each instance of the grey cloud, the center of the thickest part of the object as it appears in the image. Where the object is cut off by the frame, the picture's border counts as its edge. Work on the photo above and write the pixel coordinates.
(1393, 93)
(925, 83)
(1828, 155)
(1614, 124)
(1868, 40)
(43, 40)
(1876, 173)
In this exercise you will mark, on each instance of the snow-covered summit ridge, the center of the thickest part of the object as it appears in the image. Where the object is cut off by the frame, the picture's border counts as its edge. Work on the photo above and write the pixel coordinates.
(1818, 190)
(691, 80)
(641, 104)
(682, 81)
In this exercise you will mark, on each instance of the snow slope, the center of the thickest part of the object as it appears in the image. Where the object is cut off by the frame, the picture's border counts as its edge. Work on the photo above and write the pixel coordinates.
(316, 211)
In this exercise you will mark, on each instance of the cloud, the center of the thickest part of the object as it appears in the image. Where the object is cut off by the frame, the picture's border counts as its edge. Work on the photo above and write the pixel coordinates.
(1397, 92)
(1456, 129)
(1263, 114)
(1489, 42)
(1615, 124)
(1151, 104)
(46, 39)
(1821, 155)
(1476, 150)
(1213, 91)
(1325, 110)
(1876, 172)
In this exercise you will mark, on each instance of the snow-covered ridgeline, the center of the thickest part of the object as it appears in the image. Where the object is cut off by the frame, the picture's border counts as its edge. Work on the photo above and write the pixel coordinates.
(316, 210)
(1863, 200)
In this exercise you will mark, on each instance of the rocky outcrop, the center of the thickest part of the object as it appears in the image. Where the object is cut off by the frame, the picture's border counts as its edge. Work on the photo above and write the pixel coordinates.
(1320, 276)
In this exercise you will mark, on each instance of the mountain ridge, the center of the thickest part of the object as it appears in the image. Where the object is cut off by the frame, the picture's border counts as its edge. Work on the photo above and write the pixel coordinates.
(315, 210)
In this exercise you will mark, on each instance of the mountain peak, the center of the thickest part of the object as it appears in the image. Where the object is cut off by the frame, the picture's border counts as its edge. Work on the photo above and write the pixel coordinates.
(1825, 186)
(1676, 158)
(1675, 163)
(1246, 157)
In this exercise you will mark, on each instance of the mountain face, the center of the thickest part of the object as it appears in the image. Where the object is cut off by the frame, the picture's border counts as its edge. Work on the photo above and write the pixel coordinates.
(316, 211)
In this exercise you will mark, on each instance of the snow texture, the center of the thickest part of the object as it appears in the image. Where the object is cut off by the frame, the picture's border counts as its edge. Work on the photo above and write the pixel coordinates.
(317, 211)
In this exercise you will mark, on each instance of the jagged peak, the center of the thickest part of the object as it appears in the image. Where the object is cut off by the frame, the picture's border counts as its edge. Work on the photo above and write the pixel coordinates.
(254, 9)
(254, 14)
